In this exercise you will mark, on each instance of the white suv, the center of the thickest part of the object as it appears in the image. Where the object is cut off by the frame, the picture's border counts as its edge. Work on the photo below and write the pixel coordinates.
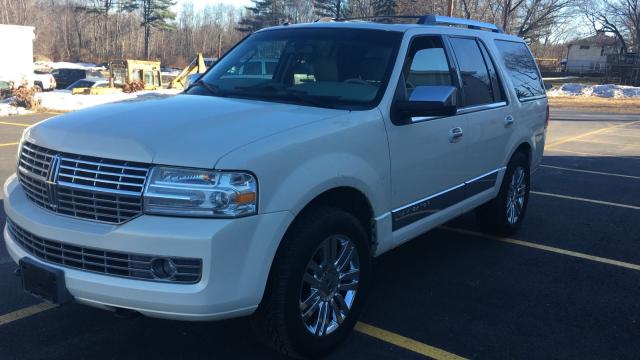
(270, 196)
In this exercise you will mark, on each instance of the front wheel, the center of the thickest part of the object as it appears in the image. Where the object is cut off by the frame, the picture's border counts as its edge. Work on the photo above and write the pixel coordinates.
(317, 285)
(504, 214)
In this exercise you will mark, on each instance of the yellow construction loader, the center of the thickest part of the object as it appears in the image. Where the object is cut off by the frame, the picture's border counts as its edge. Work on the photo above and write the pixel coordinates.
(126, 71)
(197, 66)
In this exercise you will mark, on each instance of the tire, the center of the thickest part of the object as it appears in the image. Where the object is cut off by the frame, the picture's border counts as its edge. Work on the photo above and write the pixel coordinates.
(38, 87)
(279, 321)
(498, 217)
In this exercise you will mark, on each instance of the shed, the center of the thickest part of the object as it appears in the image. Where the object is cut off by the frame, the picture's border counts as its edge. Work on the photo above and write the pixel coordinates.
(16, 46)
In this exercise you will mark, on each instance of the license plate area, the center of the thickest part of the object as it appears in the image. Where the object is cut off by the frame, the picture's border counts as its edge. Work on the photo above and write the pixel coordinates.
(43, 281)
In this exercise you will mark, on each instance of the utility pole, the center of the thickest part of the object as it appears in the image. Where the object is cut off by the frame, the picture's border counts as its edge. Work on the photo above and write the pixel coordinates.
(219, 45)
(450, 7)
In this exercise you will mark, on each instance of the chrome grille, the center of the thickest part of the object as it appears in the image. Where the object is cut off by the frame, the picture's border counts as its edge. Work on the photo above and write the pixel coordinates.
(82, 186)
(113, 263)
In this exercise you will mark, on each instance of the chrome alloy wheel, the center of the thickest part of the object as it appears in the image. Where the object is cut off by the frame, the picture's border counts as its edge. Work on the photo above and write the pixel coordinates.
(329, 285)
(516, 195)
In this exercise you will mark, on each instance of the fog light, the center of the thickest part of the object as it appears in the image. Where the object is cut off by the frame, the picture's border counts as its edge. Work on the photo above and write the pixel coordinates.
(163, 268)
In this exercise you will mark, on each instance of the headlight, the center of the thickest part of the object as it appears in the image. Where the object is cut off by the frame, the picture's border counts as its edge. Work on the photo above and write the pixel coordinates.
(189, 192)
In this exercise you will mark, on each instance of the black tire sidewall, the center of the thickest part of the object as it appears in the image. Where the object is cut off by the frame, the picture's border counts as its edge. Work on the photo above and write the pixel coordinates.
(331, 222)
(518, 160)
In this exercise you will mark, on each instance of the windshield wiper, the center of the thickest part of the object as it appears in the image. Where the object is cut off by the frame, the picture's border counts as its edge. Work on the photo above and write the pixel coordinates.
(279, 91)
(317, 101)
(213, 89)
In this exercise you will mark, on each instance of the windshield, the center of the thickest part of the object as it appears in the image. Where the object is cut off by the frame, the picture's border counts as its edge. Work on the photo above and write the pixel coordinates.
(338, 68)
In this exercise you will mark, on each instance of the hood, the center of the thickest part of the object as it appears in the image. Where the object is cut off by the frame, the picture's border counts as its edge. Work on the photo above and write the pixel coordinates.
(182, 130)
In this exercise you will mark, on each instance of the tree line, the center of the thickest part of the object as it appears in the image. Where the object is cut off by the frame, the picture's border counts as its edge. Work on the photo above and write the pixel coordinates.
(101, 30)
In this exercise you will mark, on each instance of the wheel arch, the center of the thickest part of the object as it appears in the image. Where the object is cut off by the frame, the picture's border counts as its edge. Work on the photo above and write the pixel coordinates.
(525, 148)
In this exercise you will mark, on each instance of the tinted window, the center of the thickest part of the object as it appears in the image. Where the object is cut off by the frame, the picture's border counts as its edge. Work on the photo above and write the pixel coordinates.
(252, 68)
(476, 83)
(521, 69)
(80, 84)
(428, 64)
(270, 67)
(496, 85)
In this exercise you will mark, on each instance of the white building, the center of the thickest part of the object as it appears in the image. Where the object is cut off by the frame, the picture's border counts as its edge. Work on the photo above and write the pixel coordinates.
(16, 47)
(590, 54)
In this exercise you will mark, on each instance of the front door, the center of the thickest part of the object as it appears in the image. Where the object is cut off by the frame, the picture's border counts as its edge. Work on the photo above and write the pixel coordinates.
(428, 155)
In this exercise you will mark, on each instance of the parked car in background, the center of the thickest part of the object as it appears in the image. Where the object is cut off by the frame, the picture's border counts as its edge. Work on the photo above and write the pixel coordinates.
(44, 81)
(65, 77)
(88, 83)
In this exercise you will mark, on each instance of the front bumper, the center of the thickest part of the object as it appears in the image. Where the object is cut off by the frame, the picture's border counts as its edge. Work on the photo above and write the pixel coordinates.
(236, 256)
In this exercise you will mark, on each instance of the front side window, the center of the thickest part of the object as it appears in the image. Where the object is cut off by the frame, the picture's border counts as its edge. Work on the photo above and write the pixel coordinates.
(476, 82)
(521, 69)
(427, 64)
(341, 68)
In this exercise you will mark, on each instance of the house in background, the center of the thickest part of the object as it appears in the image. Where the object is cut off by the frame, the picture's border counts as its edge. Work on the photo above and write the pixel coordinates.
(16, 49)
(590, 54)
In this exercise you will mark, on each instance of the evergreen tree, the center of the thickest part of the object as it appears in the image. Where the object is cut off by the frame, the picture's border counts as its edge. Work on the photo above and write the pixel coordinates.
(384, 7)
(330, 8)
(262, 14)
(156, 14)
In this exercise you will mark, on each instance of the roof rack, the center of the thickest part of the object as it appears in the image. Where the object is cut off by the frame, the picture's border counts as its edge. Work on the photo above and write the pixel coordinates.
(431, 19)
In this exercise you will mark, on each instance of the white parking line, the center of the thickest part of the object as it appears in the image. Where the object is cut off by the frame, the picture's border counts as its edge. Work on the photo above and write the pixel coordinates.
(587, 200)
(591, 172)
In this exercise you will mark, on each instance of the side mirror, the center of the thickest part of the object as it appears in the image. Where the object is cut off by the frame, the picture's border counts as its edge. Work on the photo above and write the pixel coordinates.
(427, 101)
(547, 86)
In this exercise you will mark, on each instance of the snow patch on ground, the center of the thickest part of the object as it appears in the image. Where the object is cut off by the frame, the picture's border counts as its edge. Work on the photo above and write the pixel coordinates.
(170, 72)
(63, 100)
(611, 91)
(6, 109)
(66, 65)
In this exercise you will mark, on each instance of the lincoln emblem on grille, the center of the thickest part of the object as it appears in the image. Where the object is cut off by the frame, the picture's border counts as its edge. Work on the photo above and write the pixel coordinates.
(52, 177)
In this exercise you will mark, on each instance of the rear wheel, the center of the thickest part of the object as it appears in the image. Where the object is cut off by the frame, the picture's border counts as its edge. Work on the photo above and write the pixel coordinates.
(504, 214)
(317, 285)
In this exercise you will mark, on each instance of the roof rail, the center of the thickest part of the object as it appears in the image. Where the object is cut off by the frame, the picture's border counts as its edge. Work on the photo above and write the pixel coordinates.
(431, 19)
(374, 17)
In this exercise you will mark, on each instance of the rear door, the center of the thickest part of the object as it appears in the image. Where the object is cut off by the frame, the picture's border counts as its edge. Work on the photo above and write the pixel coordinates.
(489, 121)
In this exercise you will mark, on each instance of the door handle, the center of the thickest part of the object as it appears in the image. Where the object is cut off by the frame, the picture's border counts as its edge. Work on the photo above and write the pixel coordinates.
(508, 121)
(455, 134)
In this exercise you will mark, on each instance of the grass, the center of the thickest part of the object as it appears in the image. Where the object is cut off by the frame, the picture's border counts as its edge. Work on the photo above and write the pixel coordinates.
(596, 104)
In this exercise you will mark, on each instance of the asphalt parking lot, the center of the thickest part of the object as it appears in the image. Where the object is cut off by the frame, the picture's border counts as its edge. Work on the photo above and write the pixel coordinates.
(567, 286)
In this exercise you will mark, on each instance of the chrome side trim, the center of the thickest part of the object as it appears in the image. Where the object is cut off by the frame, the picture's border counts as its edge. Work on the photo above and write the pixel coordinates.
(470, 109)
(432, 204)
(531, 98)
(462, 111)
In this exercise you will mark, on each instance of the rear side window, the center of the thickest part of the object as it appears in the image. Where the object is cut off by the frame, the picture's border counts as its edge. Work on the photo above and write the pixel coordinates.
(521, 68)
(476, 82)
